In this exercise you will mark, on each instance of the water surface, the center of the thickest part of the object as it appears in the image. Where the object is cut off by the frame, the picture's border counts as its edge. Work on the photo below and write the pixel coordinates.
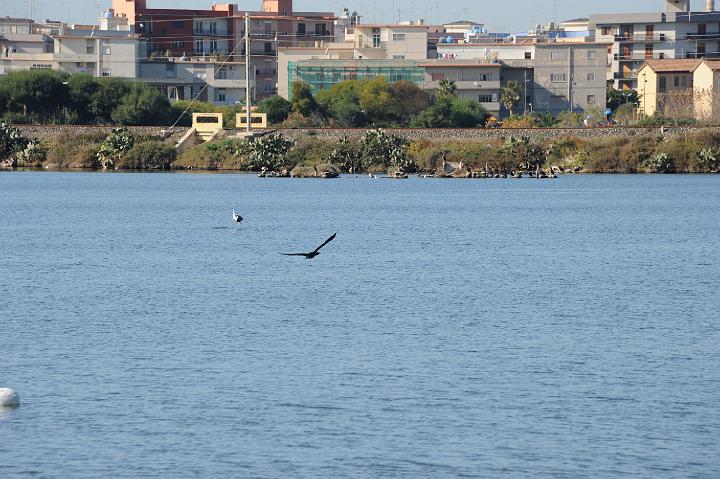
(486, 328)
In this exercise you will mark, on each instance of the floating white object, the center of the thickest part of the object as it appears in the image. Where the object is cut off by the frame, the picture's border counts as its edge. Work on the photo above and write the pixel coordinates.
(9, 398)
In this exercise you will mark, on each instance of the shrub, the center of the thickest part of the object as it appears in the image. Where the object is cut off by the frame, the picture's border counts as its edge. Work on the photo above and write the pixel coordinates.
(154, 155)
(119, 142)
(660, 163)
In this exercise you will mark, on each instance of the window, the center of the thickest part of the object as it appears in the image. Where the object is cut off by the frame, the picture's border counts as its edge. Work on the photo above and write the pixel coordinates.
(607, 31)
(320, 29)
(485, 98)
(199, 47)
(170, 70)
(41, 67)
(213, 46)
(437, 76)
(221, 95)
(591, 99)
(486, 77)
(398, 37)
(590, 77)
(557, 55)
(592, 55)
(676, 82)
(663, 85)
(268, 48)
(398, 57)
(376, 38)
(558, 78)
(301, 29)
(178, 24)
(106, 50)
(528, 55)
(213, 28)
(106, 72)
(90, 47)
(178, 44)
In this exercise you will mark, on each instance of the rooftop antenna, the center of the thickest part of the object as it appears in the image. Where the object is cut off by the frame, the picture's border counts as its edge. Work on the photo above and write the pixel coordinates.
(555, 10)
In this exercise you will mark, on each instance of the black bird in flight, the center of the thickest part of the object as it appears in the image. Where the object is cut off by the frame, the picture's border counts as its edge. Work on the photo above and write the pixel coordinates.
(315, 253)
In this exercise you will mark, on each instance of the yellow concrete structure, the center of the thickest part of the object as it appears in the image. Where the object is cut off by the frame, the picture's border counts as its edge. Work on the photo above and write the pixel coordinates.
(257, 120)
(207, 125)
(663, 84)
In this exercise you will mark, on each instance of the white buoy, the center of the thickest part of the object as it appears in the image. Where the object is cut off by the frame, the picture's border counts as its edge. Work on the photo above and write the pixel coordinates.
(9, 398)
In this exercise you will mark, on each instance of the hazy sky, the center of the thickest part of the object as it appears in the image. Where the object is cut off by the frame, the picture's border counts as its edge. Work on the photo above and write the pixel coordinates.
(507, 15)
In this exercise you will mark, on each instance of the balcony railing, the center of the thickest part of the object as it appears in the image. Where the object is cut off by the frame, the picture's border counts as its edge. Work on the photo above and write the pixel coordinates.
(626, 75)
(699, 55)
(640, 57)
(703, 36)
(642, 37)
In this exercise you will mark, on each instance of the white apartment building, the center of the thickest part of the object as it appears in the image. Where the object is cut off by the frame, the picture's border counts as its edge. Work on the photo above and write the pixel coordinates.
(676, 33)
(205, 80)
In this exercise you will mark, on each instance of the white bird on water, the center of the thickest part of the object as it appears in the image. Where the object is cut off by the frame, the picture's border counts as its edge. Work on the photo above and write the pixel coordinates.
(237, 218)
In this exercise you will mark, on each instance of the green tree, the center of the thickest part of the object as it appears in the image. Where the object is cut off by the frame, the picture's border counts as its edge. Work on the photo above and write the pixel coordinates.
(437, 115)
(467, 113)
(143, 105)
(409, 100)
(616, 98)
(81, 90)
(303, 101)
(342, 102)
(377, 102)
(39, 95)
(107, 98)
(276, 107)
(510, 95)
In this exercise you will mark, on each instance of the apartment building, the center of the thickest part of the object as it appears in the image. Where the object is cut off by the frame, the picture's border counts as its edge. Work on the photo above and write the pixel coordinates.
(554, 76)
(675, 33)
(220, 31)
(391, 42)
(221, 83)
(97, 52)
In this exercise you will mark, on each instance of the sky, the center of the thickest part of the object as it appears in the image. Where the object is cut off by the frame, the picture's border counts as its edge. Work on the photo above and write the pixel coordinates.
(500, 16)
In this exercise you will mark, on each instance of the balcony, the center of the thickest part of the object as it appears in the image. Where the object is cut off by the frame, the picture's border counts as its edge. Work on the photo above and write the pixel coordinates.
(703, 36)
(639, 57)
(699, 55)
(626, 75)
(642, 37)
(462, 85)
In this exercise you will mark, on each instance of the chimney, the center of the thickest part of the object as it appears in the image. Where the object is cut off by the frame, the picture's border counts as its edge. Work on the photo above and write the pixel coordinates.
(710, 5)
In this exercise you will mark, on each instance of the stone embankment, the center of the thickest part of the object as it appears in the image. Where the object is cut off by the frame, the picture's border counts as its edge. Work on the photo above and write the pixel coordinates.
(457, 134)
(52, 132)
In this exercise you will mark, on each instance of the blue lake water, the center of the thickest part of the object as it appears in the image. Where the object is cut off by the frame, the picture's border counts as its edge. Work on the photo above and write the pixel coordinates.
(456, 328)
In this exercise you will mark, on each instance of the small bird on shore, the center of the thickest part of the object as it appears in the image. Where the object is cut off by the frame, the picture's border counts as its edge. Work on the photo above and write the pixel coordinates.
(237, 218)
(315, 253)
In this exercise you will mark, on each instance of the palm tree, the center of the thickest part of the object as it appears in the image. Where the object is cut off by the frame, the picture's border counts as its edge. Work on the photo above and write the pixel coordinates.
(446, 89)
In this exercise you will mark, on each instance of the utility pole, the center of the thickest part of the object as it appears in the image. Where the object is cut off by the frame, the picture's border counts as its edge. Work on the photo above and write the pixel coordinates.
(248, 108)
(525, 96)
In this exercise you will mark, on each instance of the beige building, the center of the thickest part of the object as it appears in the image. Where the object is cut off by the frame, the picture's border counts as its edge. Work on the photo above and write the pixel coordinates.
(391, 42)
(706, 85)
(475, 81)
(666, 86)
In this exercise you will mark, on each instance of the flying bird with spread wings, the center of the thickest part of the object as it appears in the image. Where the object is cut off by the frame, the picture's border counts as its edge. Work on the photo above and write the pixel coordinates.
(315, 253)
